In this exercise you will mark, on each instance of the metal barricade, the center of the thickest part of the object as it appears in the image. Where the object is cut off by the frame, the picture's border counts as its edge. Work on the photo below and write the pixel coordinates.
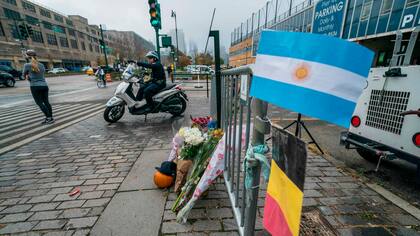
(237, 111)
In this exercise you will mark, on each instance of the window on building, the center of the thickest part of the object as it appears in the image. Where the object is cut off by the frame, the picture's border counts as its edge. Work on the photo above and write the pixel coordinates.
(64, 42)
(93, 31)
(32, 20)
(74, 44)
(367, 6)
(71, 32)
(14, 31)
(14, 15)
(386, 6)
(37, 37)
(28, 6)
(81, 35)
(13, 2)
(51, 39)
(412, 3)
(59, 29)
(47, 25)
(1, 30)
(69, 22)
(59, 18)
(83, 46)
(45, 13)
(97, 49)
(90, 47)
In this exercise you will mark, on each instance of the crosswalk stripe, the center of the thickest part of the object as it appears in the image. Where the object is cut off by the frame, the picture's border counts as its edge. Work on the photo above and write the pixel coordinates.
(29, 111)
(35, 124)
(23, 115)
(86, 113)
(30, 119)
(16, 110)
(21, 142)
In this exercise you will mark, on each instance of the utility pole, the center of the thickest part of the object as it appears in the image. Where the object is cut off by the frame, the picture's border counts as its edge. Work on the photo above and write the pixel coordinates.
(104, 46)
(215, 35)
(176, 35)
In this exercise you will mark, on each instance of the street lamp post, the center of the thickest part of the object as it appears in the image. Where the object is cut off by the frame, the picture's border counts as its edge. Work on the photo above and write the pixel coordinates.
(176, 35)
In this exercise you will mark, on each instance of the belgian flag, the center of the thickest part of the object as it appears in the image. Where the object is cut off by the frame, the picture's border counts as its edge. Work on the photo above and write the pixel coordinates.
(284, 197)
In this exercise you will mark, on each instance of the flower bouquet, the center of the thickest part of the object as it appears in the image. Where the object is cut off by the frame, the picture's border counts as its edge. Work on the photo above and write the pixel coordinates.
(193, 139)
(200, 164)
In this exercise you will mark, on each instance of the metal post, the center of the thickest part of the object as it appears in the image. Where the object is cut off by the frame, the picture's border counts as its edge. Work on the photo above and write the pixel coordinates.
(215, 35)
(290, 7)
(176, 35)
(275, 11)
(157, 42)
(260, 111)
(102, 37)
(266, 15)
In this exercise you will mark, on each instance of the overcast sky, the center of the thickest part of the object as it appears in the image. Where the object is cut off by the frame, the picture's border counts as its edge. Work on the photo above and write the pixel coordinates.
(193, 15)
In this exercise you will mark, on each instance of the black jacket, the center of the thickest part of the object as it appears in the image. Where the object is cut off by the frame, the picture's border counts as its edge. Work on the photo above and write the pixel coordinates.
(158, 72)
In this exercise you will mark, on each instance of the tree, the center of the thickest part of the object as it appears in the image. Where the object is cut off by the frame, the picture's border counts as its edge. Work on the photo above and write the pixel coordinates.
(184, 60)
(204, 59)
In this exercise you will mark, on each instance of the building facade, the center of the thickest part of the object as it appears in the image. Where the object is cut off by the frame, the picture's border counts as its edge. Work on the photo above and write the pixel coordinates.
(372, 23)
(59, 40)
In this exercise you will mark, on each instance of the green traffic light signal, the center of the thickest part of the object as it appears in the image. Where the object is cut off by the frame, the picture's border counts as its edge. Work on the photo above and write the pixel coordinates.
(155, 18)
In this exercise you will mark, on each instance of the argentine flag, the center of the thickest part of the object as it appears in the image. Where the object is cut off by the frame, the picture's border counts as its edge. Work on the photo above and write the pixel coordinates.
(313, 74)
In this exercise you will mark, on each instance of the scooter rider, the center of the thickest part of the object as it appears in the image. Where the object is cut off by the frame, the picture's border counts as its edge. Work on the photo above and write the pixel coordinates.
(157, 82)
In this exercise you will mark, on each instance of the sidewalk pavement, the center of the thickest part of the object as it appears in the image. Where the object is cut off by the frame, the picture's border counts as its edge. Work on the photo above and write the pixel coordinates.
(113, 167)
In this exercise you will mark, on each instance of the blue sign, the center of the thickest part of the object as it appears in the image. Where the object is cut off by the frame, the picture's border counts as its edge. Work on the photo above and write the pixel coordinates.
(409, 18)
(329, 17)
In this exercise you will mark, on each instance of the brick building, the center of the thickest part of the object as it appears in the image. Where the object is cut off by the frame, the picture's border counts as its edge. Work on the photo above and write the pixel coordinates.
(60, 40)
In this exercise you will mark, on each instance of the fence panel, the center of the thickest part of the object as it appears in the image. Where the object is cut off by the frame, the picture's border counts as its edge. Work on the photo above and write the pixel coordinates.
(237, 111)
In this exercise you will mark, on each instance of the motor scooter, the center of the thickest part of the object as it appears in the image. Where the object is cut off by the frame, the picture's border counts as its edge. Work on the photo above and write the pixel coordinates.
(172, 99)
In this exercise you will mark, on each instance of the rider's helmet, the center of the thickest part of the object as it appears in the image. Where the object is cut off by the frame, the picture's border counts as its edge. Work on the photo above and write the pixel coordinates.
(30, 53)
(152, 54)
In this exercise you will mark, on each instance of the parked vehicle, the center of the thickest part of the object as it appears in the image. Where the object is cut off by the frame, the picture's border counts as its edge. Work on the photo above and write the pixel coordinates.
(15, 73)
(171, 99)
(386, 121)
(199, 69)
(57, 70)
(85, 68)
(7, 79)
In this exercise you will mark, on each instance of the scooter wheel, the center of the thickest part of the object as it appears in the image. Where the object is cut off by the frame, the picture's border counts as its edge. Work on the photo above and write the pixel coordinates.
(178, 106)
(113, 114)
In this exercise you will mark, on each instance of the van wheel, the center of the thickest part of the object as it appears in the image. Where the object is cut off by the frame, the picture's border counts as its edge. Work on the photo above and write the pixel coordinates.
(368, 155)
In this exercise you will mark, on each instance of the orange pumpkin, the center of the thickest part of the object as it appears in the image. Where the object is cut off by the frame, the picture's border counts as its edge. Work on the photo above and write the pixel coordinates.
(162, 180)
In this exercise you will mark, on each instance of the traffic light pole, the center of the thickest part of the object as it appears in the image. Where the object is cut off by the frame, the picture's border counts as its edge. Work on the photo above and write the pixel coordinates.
(104, 45)
(157, 41)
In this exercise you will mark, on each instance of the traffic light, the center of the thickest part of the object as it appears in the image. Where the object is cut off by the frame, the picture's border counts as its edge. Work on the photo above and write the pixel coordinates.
(102, 43)
(23, 31)
(154, 11)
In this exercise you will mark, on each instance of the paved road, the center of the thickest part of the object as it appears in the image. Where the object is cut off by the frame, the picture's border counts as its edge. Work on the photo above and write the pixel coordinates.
(75, 88)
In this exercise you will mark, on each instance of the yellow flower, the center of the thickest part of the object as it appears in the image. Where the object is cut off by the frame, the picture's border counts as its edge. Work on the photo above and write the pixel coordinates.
(181, 132)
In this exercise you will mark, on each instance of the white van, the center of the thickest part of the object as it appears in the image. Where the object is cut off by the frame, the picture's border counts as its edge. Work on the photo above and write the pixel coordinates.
(386, 121)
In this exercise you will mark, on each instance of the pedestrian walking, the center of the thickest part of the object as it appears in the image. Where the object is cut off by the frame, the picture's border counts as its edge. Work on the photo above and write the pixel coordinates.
(169, 70)
(34, 72)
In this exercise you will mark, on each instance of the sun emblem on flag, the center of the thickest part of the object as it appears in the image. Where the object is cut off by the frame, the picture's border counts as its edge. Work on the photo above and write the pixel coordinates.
(302, 72)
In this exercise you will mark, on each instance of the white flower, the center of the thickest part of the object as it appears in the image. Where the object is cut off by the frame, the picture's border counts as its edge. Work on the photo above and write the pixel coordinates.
(193, 136)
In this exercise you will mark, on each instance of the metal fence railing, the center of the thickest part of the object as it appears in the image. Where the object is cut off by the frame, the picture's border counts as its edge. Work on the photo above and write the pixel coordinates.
(240, 120)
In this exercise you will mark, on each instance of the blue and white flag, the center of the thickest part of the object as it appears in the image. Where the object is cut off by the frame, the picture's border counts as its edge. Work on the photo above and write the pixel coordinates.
(316, 75)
